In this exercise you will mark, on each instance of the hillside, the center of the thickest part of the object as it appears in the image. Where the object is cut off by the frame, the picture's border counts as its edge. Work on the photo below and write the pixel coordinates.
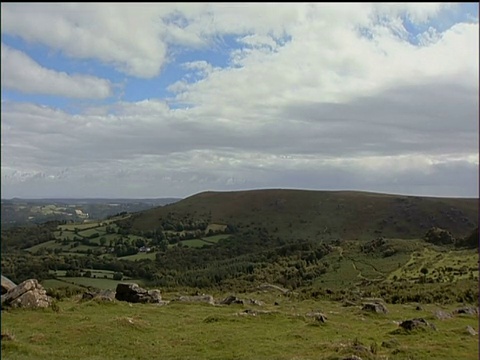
(323, 215)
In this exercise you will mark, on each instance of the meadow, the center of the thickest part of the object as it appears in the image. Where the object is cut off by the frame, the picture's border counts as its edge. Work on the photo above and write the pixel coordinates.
(76, 329)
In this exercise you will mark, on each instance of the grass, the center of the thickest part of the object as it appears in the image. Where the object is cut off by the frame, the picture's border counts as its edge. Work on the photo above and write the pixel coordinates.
(118, 330)
(215, 238)
(196, 243)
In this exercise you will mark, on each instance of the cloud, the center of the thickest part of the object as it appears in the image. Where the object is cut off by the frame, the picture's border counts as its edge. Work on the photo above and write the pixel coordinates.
(22, 73)
(322, 96)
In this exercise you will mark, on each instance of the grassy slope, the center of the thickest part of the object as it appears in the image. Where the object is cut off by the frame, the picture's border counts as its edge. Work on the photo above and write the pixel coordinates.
(311, 214)
(90, 330)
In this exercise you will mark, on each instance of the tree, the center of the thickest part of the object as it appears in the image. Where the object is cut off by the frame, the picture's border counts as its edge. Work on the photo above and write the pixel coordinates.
(118, 276)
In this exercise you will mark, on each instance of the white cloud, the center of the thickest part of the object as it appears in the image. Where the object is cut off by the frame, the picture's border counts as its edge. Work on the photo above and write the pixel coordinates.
(315, 95)
(22, 73)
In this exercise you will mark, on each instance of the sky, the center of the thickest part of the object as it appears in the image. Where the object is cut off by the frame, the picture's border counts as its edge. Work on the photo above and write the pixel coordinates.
(172, 99)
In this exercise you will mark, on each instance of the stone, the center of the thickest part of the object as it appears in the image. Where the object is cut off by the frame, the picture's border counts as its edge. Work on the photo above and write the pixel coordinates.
(7, 284)
(442, 315)
(317, 315)
(417, 323)
(471, 330)
(376, 307)
(133, 293)
(28, 294)
(231, 300)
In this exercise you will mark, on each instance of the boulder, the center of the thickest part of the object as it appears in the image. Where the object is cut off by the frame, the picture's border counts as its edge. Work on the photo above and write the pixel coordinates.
(7, 284)
(375, 307)
(466, 310)
(442, 315)
(470, 330)
(28, 294)
(317, 315)
(418, 323)
(135, 294)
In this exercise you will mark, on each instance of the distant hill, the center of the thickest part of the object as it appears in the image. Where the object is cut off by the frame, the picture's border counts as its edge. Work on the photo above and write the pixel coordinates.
(325, 215)
(20, 212)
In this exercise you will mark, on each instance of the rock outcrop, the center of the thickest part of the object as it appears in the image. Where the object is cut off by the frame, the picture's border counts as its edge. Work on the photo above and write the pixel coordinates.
(135, 294)
(28, 294)
(7, 284)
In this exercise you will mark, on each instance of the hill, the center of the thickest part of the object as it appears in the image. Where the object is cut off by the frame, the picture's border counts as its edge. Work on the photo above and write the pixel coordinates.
(318, 214)
(22, 212)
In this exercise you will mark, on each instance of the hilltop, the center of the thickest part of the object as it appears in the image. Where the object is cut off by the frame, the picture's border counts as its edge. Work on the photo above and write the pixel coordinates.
(323, 215)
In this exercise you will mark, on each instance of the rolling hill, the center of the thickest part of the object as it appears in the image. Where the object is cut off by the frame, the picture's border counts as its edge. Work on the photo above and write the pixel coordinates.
(319, 214)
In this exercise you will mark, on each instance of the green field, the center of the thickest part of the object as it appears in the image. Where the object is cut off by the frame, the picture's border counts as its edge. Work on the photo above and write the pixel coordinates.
(92, 330)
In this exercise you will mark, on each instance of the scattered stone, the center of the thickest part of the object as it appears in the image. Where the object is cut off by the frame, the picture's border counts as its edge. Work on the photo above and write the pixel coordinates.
(28, 294)
(208, 299)
(418, 323)
(102, 295)
(466, 310)
(442, 315)
(7, 284)
(231, 300)
(255, 302)
(471, 330)
(135, 294)
(255, 312)
(376, 307)
(317, 315)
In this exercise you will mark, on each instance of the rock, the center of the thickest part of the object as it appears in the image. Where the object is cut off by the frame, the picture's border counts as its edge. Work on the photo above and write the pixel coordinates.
(103, 295)
(208, 299)
(231, 300)
(417, 323)
(442, 315)
(317, 315)
(255, 312)
(7, 284)
(135, 294)
(375, 307)
(28, 294)
(419, 308)
(471, 330)
(276, 303)
(466, 310)
(255, 302)
(348, 303)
